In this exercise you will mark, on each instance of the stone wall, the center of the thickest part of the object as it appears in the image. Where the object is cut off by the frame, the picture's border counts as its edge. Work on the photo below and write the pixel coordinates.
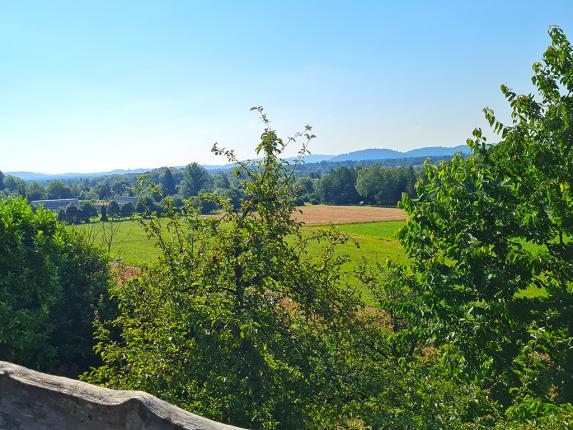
(32, 400)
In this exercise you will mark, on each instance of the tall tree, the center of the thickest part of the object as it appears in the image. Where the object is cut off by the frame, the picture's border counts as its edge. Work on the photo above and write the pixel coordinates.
(113, 210)
(103, 213)
(195, 179)
(35, 191)
(15, 185)
(86, 211)
(385, 185)
(338, 186)
(1, 180)
(120, 186)
(167, 183)
(490, 241)
(127, 210)
(240, 289)
(57, 189)
(72, 214)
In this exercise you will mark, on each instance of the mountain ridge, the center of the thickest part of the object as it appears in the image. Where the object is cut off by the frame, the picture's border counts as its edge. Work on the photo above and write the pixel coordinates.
(359, 155)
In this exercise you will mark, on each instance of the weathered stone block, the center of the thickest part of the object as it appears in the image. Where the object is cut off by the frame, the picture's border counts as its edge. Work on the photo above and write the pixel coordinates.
(32, 400)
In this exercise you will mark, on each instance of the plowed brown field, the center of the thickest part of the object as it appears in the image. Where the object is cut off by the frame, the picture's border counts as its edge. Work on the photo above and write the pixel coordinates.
(326, 214)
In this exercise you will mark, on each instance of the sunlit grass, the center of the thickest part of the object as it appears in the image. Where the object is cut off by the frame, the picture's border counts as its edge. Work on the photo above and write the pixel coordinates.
(134, 248)
(372, 242)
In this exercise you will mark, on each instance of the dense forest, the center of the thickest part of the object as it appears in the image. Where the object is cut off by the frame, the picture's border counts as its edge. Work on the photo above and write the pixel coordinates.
(369, 183)
(239, 322)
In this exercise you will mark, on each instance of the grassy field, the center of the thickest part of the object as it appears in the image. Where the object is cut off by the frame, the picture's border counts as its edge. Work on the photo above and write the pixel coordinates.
(374, 241)
(386, 230)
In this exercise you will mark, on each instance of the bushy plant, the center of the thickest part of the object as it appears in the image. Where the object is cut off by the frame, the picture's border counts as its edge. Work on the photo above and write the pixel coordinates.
(489, 237)
(51, 284)
(239, 322)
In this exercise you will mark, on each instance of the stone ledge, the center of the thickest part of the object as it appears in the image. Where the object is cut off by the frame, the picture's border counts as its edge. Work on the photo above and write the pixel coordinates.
(32, 400)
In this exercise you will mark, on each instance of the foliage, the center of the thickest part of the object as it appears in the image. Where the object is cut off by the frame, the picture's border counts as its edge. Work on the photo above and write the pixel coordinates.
(86, 211)
(338, 186)
(58, 190)
(242, 322)
(127, 209)
(168, 183)
(195, 179)
(72, 214)
(15, 185)
(103, 213)
(384, 186)
(113, 210)
(35, 191)
(222, 325)
(487, 228)
(51, 283)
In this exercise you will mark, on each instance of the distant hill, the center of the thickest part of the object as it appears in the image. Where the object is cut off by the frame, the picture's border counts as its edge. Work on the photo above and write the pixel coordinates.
(33, 176)
(315, 158)
(361, 155)
(387, 154)
(437, 151)
(368, 154)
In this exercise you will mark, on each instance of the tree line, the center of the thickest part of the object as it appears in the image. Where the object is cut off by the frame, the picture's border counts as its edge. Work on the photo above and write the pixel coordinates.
(374, 184)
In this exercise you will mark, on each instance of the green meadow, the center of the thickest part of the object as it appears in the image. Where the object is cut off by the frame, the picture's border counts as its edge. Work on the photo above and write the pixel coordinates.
(374, 241)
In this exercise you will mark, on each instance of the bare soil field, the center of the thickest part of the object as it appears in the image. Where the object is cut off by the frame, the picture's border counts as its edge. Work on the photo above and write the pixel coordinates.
(326, 214)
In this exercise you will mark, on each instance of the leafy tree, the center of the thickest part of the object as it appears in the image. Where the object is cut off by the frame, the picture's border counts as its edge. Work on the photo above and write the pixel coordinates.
(240, 322)
(178, 202)
(103, 191)
(51, 284)
(35, 191)
(56, 189)
(490, 241)
(2, 176)
(167, 183)
(239, 289)
(86, 211)
(204, 206)
(113, 209)
(120, 186)
(15, 185)
(195, 179)
(235, 195)
(222, 181)
(385, 185)
(72, 214)
(141, 207)
(103, 213)
(338, 186)
(127, 210)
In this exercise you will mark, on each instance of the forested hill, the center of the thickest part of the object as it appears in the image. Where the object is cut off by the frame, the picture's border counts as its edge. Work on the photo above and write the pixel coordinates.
(388, 154)
(356, 158)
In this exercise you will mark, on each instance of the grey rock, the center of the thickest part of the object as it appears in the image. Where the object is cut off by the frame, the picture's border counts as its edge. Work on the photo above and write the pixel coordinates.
(31, 400)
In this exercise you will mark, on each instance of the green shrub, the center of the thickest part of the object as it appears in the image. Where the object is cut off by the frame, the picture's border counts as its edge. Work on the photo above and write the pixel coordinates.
(51, 284)
(489, 238)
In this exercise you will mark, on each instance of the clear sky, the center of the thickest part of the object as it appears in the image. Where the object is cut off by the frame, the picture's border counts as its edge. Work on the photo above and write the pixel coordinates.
(98, 85)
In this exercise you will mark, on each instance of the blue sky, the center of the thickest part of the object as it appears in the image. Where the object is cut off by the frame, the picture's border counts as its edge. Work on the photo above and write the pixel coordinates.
(91, 86)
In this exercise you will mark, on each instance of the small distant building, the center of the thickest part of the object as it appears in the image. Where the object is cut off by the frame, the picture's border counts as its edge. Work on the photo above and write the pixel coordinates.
(122, 200)
(55, 204)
